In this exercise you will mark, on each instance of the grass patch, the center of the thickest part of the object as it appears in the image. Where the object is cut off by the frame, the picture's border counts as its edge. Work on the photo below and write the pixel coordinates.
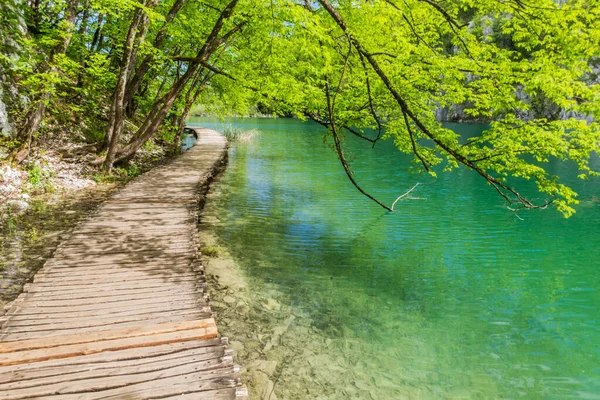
(211, 251)
(235, 134)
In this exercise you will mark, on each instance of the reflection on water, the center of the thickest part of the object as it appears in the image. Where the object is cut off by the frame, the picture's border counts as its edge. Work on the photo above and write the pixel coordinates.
(450, 297)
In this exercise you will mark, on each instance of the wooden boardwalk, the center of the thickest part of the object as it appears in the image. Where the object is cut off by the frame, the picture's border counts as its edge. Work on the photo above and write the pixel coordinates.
(120, 311)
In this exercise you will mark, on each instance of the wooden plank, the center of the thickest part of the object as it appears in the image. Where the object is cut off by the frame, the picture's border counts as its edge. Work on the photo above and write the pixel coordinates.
(124, 230)
(132, 236)
(103, 211)
(34, 309)
(112, 278)
(82, 320)
(118, 282)
(51, 348)
(35, 335)
(187, 284)
(67, 314)
(150, 199)
(107, 335)
(99, 360)
(87, 241)
(84, 256)
(16, 327)
(69, 373)
(200, 384)
(128, 207)
(222, 394)
(108, 294)
(108, 313)
(85, 273)
(122, 259)
(198, 284)
(114, 243)
(69, 265)
(52, 326)
(110, 379)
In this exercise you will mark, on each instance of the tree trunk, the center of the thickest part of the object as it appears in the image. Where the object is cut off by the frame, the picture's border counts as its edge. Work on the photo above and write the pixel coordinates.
(97, 40)
(115, 117)
(137, 32)
(190, 99)
(134, 83)
(163, 105)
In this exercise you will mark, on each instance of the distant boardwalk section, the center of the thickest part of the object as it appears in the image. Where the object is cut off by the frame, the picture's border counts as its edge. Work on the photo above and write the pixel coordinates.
(120, 311)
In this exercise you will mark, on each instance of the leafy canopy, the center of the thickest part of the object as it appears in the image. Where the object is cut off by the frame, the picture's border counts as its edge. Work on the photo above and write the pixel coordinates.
(391, 65)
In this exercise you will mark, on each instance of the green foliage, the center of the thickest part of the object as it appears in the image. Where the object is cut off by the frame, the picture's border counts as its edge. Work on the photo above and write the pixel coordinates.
(38, 179)
(118, 174)
(35, 175)
(133, 171)
(105, 178)
(520, 68)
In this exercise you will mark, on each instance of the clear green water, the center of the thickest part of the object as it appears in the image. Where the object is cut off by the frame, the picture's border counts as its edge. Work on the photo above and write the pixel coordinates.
(453, 293)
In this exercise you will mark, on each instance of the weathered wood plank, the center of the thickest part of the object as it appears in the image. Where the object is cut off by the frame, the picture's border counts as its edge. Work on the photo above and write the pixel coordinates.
(65, 317)
(33, 309)
(176, 263)
(45, 352)
(13, 337)
(110, 379)
(107, 335)
(119, 282)
(13, 328)
(166, 262)
(99, 360)
(162, 286)
(200, 384)
(108, 294)
(118, 260)
(111, 278)
(69, 373)
(83, 320)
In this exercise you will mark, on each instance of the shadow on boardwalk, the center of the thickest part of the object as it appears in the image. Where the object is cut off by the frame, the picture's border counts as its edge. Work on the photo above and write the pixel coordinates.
(120, 310)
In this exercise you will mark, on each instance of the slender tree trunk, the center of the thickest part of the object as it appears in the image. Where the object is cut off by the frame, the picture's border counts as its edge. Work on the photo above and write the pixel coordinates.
(81, 32)
(84, 19)
(97, 40)
(134, 83)
(190, 99)
(116, 118)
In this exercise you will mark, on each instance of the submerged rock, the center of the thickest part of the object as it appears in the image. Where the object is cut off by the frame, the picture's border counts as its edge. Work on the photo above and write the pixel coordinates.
(272, 305)
(229, 299)
(266, 366)
(262, 385)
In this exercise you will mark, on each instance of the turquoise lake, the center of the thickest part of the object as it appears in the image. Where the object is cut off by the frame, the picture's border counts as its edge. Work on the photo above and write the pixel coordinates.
(450, 296)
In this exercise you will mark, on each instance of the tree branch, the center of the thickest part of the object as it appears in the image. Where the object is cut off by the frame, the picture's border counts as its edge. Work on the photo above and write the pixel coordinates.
(498, 185)
(340, 152)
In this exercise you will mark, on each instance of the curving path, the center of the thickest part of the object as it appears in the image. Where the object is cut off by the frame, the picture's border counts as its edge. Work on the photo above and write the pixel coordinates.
(120, 311)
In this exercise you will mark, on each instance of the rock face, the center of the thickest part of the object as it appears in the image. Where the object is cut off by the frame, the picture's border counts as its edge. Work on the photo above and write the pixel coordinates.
(540, 106)
(12, 29)
(6, 127)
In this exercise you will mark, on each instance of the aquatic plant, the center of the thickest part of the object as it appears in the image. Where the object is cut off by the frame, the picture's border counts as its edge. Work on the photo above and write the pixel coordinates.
(235, 134)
